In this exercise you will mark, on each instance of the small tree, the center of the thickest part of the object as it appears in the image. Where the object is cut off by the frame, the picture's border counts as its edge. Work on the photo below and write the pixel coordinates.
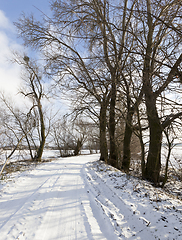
(34, 91)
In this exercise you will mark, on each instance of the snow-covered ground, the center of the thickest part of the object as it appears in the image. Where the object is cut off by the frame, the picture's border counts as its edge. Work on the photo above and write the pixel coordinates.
(82, 198)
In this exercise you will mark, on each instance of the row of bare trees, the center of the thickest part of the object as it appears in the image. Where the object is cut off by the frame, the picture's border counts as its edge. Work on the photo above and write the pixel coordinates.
(120, 61)
(69, 136)
(27, 124)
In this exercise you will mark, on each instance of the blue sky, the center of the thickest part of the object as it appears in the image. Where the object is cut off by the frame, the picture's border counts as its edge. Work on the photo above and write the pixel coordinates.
(13, 8)
(10, 11)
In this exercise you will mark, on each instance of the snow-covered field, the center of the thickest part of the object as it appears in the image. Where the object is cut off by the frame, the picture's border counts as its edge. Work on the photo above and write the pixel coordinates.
(82, 198)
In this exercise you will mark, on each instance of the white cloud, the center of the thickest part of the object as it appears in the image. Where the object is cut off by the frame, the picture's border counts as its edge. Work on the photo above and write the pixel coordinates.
(9, 73)
(4, 21)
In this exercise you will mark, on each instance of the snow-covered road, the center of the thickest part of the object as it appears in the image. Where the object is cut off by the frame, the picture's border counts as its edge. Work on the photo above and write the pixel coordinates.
(50, 202)
(71, 198)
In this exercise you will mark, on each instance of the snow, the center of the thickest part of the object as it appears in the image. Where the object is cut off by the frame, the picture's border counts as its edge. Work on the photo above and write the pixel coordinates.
(83, 198)
(175, 158)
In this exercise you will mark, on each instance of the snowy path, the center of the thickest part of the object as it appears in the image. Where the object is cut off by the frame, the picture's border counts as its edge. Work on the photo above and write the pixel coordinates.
(71, 198)
(51, 202)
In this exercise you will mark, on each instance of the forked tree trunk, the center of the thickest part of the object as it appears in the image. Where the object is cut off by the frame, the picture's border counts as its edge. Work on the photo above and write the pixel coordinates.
(78, 147)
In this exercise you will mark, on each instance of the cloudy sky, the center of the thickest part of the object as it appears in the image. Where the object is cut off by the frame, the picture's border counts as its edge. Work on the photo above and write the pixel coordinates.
(10, 10)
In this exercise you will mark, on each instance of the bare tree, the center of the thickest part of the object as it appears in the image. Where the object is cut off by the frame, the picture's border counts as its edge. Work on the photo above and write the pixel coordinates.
(70, 135)
(33, 90)
(130, 47)
(95, 24)
(161, 60)
(15, 128)
(65, 60)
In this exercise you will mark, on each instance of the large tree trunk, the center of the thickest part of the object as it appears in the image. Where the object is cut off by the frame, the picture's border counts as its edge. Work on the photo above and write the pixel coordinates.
(103, 139)
(113, 156)
(127, 140)
(153, 165)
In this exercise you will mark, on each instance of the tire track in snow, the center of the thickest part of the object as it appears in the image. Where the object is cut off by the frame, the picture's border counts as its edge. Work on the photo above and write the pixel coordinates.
(23, 206)
(49, 204)
(116, 210)
(30, 209)
(59, 206)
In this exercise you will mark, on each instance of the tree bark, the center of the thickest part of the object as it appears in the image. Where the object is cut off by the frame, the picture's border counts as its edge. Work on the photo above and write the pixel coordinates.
(103, 139)
(153, 165)
(113, 157)
(78, 147)
(127, 140)
(142, 146)
(42, 140)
